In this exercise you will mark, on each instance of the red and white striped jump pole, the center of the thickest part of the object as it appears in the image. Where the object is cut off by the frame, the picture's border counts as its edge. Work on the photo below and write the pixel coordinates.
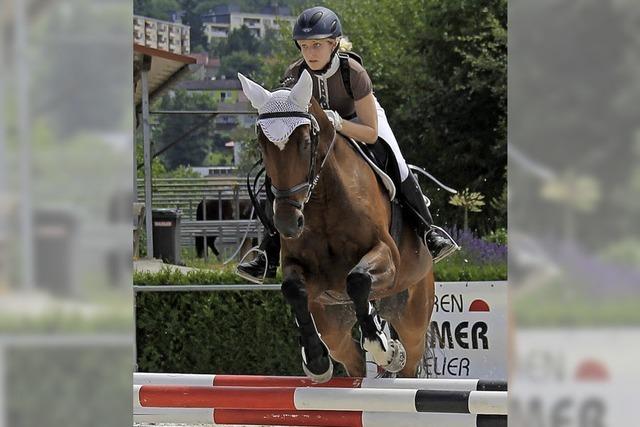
(225, 417)
(321, 399)
(142, 378)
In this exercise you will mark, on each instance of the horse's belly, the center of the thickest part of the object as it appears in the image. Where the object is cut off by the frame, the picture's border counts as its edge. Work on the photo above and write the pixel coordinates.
(327, 264)
(332, 297)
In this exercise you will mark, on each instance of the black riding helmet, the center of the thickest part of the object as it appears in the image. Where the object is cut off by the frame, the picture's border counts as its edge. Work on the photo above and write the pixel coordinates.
(317, 23)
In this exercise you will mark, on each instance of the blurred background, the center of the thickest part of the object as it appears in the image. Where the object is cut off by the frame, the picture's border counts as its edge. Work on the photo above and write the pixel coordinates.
(66, 120)
(574, 266)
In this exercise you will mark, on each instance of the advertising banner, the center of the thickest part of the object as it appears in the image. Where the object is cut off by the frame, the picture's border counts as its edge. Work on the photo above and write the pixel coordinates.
(468, 333)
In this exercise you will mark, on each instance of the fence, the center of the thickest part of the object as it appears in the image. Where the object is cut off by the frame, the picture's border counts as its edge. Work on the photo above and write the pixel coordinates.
(227, 201)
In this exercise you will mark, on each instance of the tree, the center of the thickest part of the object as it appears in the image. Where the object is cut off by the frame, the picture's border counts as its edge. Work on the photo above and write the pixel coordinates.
(283, 53)
(193, 149)
(158, 9)
(241, 61)
(452, 111)
(240, 39)
(470, 202)
(192, 16)
(439, 69)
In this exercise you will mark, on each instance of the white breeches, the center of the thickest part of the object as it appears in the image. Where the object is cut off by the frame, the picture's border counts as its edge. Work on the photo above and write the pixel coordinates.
(385, 132)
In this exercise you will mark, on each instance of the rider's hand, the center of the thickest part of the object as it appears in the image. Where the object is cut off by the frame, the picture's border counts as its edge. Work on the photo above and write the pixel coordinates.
(334, 118)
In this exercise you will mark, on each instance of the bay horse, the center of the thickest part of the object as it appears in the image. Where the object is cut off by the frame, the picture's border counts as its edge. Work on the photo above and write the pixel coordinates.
(338, 254)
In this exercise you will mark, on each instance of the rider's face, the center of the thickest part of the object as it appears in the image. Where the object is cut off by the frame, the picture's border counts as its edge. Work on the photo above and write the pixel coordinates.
(317, 53)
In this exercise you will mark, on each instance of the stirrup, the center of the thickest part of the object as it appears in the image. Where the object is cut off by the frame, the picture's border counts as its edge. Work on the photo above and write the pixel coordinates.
(445, 253)
(248, 277)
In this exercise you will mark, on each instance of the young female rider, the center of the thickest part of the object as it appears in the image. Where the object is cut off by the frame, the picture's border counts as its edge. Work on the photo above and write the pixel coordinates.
(344, 90)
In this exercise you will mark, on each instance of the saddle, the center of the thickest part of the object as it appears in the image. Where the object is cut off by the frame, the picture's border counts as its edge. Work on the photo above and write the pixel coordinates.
(377, 163)
(377, 157)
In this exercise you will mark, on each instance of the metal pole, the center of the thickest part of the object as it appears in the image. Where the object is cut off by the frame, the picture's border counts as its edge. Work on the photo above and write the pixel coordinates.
(4, 214)
(205, 288)
(204, 235)
(135, 158)
(24, 140)
(135, 199)
(135, 333)
(3, 387)
(3, 152)
(146, 134)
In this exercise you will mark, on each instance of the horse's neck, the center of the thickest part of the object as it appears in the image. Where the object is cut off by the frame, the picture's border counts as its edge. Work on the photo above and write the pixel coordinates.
(339, 175)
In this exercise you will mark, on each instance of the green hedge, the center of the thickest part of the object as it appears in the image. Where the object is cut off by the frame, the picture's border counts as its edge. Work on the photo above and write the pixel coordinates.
(213, 332)
(453, 269)
(216, 332)
(239, 332)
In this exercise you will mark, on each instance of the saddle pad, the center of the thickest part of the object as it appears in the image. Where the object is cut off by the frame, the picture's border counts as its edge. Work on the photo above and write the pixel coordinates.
(386, 181)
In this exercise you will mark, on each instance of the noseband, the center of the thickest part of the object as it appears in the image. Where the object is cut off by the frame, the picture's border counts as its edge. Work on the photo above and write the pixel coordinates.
(312, 175)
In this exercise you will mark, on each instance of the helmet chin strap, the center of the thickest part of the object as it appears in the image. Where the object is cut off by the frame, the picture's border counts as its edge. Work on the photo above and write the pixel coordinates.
(328, 65)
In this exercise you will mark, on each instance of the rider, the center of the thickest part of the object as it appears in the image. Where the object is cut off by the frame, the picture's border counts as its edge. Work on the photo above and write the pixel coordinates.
(344, 90)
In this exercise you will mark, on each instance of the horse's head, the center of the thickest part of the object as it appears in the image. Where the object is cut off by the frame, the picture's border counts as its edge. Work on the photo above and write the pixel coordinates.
(290, 127)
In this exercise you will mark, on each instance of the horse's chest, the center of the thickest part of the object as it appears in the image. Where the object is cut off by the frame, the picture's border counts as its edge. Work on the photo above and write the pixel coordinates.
(338, 254)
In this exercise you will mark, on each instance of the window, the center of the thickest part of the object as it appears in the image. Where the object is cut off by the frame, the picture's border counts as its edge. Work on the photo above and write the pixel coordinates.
(251, 22)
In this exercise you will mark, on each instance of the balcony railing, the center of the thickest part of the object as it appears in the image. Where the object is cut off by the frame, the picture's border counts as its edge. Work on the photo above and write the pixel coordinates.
(163, 35)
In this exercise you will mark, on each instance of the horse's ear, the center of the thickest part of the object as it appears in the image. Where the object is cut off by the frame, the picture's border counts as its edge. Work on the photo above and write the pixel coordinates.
(256, 93)
(302, 91)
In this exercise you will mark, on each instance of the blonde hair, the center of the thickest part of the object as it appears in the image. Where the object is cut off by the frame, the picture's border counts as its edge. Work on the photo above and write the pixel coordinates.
(345, 45)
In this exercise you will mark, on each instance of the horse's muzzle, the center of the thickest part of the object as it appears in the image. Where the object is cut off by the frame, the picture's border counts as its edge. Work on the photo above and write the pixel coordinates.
(289, 222)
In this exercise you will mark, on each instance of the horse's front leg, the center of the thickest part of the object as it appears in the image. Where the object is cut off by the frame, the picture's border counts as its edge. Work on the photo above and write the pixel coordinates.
(316, 362)
(375, 269)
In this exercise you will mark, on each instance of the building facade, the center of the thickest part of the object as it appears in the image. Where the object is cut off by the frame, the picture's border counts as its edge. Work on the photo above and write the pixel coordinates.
(219, 22)
(169, 36)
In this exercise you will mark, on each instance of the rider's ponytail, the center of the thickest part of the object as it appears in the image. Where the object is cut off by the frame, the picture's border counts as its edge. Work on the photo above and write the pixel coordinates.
(345, 45)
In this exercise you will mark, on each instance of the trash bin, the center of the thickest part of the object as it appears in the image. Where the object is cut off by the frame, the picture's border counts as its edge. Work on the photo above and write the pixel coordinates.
(166, 235)
(54, 231)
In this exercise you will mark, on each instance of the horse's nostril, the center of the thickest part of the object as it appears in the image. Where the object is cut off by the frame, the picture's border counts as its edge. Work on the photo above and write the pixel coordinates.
(300, 221)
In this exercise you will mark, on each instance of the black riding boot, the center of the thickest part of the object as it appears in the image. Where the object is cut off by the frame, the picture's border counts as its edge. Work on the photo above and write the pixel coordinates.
(254, 270)
(439, 243)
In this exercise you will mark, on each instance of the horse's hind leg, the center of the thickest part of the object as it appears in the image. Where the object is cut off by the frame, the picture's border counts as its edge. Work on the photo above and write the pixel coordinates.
(376, 268)
(200, 246)
(211, 243)
(315, 354)
(411, 323)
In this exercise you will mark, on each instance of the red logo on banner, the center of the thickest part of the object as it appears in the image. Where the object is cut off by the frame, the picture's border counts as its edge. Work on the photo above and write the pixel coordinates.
(479, 305)
(592, 370)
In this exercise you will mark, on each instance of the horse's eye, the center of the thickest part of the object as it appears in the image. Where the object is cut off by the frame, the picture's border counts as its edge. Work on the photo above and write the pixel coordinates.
(307, 142)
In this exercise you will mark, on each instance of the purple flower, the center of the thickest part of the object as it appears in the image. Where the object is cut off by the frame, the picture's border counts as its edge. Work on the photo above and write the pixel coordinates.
(477, 250)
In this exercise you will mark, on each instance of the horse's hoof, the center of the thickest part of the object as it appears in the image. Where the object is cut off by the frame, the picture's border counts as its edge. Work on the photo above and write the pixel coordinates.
(398, 357)
(319, 378)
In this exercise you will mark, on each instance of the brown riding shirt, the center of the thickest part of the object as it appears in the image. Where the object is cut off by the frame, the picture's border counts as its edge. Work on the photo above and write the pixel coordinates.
(337, 96)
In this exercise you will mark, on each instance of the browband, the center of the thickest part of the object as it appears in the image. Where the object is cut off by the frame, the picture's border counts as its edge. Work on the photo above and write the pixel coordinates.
(283, 114)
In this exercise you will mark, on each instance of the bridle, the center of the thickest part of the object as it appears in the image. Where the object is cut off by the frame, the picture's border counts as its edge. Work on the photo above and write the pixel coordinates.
(312, 176)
